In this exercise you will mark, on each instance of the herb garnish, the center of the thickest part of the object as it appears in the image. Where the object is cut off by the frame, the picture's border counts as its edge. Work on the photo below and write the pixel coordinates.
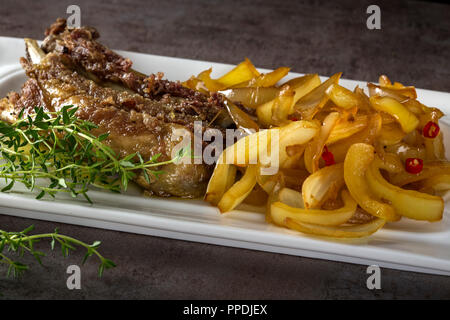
(58, 147)
(21, 242)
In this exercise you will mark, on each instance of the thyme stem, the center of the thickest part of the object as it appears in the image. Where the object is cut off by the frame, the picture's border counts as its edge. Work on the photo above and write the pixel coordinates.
(58, 147)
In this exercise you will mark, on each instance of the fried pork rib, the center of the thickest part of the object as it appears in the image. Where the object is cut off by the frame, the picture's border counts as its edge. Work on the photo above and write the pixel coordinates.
(137, 119)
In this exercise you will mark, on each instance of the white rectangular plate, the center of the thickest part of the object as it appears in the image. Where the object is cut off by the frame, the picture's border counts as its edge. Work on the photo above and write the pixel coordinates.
(405, 245)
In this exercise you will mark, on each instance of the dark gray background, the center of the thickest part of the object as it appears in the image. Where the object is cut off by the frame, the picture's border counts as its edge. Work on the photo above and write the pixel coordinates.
(311, 37)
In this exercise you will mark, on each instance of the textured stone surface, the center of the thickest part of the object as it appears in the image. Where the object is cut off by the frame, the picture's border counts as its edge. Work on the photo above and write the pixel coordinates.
(310, 36)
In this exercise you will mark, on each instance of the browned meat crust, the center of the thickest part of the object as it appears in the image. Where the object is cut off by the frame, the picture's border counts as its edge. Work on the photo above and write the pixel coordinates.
(59, 71)
(81, 47)
(140, 113)
(141, 126)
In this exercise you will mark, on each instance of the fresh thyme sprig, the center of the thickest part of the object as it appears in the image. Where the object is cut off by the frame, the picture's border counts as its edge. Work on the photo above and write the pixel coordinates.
(58, 147)
(21, 242)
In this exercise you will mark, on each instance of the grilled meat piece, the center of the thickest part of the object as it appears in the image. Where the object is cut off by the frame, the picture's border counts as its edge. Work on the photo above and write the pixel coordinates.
(134, 123)
(80, 46)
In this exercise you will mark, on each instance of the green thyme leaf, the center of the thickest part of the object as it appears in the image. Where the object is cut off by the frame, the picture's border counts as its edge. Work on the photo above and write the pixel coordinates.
(22, 242)
(58, 148)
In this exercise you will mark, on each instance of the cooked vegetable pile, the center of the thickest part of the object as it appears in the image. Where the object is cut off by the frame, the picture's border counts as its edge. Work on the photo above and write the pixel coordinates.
(348, 162)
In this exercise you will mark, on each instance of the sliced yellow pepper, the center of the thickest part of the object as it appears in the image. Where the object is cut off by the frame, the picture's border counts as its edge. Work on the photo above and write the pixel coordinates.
(282, 106)
(391, 134)
(251, 148)
(363, 99)
(266, 79)
(219, 182)
(276, 111)
(390, 162)
(314, 149)
(239, 191)
(399, 94)
(367, 135)
(384, 81)
(240, 118)
(264, 112)
(244, 71)
(322, 184)
(409, 203)
(268, 182)
(342, 97)
(308, 105)
(357, 161)
(408, 121)
(294, 157)
(405, 151)
(429, 170)
(194, 83)
(230, 177)
(281, 211)
(251, 97)
(293, 134)
(406, 91)
(274, 196)
(303, 85)
(434, 148)
(248, 150)
(348, 127)
(207, 82)
(291, 197)
(353, 231)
